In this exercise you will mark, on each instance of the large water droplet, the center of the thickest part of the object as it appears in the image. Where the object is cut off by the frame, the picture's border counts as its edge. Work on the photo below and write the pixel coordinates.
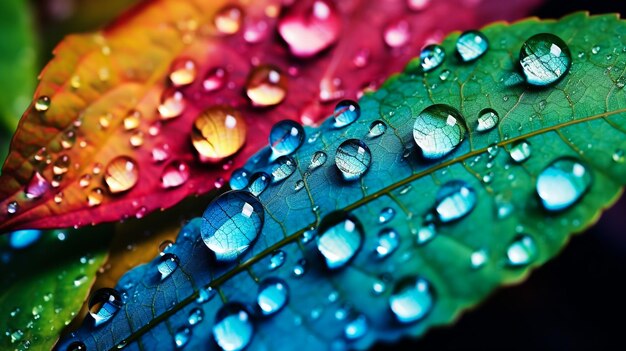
(175, 174)
(258, 183)
(233, 329)
(353, 158)
(521, 251)
(563, 183)
(455, 199)
(397, 33)
(438, 129)
(172, 105)
(168, 263)
(37, 186)
(388, 242)
(266, 86)
(20, 239)
(310, 29)
(228, 19)
(182, 72)
(103, 304)
(544, 58)
(471, 45)
(346, 112)
(340, 237)
(431, 57)
(42, 104)
(218, 132)
(487, 120)
(520, 151)
(121, 174)
(239, 179)
(283, 168)
(377, 128)
(231, 223)
(412, 299)
(356, 328)
(272, 296)
(285, 138)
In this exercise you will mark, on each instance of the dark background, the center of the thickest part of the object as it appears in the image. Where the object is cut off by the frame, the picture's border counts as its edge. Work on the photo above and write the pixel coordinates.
(577, 301)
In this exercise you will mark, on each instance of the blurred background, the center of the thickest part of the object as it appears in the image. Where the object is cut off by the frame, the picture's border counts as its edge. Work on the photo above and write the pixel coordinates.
(574, 302)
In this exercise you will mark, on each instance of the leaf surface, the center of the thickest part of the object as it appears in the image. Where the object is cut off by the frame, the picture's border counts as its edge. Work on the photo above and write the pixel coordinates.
(580, 117)
(97, 80)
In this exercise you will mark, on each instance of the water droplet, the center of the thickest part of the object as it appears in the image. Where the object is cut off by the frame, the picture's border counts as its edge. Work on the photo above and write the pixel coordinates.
(318, 160)
(521, 251)
(131, 121)
(346, 112)
(412, 299)
(181, 337)
(239, 179)
(266, 86)
(80, 280)
(386, 215)
(444, 75)
(308, 30)
(172, 105)
(425, 234)
(472, 45)
(95, 197)
(258, 183)
(438, 129)
(377, 128)
(182, 72)
(478, 258)
(340, 238)
(121, 174)
(431, 57)
(42, 104)
(103, 304)
(397, 33)
(418, 5)
(283, 168)
(487, 120)
(277, 259)
(167, 265)
(272, 296)
(228, 20)
(595, 49)
(285, 137)
(165, 246)
(195, 316)
(299, 269)
(544, 58)
(218, 132)
(563, 183)
(233, 329)
(175, 174)
(353, 159)
(76, 346)
(388, 242)
(455, 199)
(160, 153)
(231, 223)
(356, 328)
(214, 79)
(37, 186)
(618, 156)
(520, 151)
(12, 207)
(298, 185)
(24, 238)
(205, 295)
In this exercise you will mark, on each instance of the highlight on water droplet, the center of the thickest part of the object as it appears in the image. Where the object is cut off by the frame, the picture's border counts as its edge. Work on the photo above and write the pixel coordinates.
(471, 45)
(397, 33)
(521, 251)
(520, 151)
(233, 329)
(455, 199)
(167, 265)
(175, 174)
(562, 183)
(544, 59)
(121, 174)
(340, 237)
(272, 296)
(231, 223)
(266, 86)
(228, 19)
(356, 328)
(412, 299)
(285, 138)
(353, 158)
(346, 112)
(218, 132)
(183, 71)
(487, 119)
(172, 105)
(24, 238)
(239, 179)
(438, 130)
(103, 304)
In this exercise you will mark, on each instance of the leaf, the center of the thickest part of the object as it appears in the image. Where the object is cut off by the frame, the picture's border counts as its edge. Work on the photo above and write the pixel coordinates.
(506, 234)
(44, 284)
(97, 80)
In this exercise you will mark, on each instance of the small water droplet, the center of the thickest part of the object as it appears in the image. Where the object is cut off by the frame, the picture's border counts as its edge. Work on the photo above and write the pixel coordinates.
(272, 296)
(181, 337)
(472, 45)
(425, 234)
(239, 179)
(175, 174)
(544, 58)
(318, 160)
(299, 269)
(595, 49)
(266, 86)
(277, 259)
(68, 139)
(563, 183)
(258, 183)
(346, 112)
(520, 151)
(218, 132)
(205, 295)
(487, 119)
(172, 105)
(37, 186)
(521, 251)
(233, 328)
(412, 299)
(95, 197)
(397, 33)
(228, 19)
(24, 238)
(196, 316)
(103, 304)
(618, 156)
(76, 346)
(353, 159)
(80, 280)
(386, 215)
(42, 104)
(444, 75)
(455, 199)
(388, 242)
(298, 185)
(168, 263)
(356, 328)
(340, 238)
(478, 258)
(214, 80)
(431, 57)
(231, 223)
(165, 246)
(121, 174)
(377, 128)
(285, 138)
(131, 121)
(12, 207)
(438, 129)
(283, 168)
(183, 71)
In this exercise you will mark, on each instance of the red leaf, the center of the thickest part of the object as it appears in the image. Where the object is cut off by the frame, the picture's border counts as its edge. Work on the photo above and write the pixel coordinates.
(130, 95)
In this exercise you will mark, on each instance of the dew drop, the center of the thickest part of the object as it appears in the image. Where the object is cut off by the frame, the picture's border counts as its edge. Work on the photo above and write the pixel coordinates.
(544, 59)
(228, 20)
(340, 238)
(318, 160)
(283, 168)
(618, 156)
(103, 304)
(521, 251)
(12, 207)
(239, 179)
(277, 259)
(214, 80)
(438, 129)
(76, 346)
(299, 269)
(272, 296)
(172, 105)
(487, 120)
(24, 238)
(175, 174)
(388, 242)
(425, 234)
(266, 86)
(472, 45)
(95, 197)
(167, 265)
(377, 128)
(233, 329)
(563, 183)
(412, 299)
(353, 159)
(205, 295)
(431, 57)
(258, 183)
(136, 139)
(356, 328)
(42, 104)
(218, 132)
(181, 337)
(285, 138)
(195, 316)
(455, 199)
(131, 121)
(478, 258)
(386, 215)
(346, 112)
(443, 76)
(183, 72)
(520, 151)
(80, 280)
(397, 33)
(37, 186)
(298, 185)
(165, 246)
(231, 223)
(121, 174)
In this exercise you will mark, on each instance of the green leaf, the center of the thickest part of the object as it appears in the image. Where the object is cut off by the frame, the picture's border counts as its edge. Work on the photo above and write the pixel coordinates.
(44, 285)
(506, 234)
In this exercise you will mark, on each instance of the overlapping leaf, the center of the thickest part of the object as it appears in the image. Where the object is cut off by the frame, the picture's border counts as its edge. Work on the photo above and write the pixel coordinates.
(97, 80)
(580, 117)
